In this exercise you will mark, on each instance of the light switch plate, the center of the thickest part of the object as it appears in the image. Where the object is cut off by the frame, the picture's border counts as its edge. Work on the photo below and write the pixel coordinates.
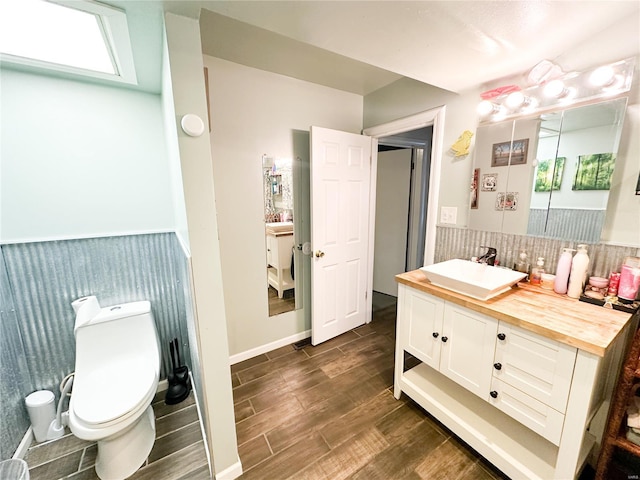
(448, 215)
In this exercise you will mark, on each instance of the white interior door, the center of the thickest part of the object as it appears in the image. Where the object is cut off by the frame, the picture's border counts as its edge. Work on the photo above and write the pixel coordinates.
(340, 212)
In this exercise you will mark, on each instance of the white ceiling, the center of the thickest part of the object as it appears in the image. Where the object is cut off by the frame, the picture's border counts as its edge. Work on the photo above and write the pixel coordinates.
(454, 45)
(360, 46)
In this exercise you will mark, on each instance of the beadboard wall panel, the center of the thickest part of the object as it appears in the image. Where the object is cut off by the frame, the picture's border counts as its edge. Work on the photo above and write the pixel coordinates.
(454, 242)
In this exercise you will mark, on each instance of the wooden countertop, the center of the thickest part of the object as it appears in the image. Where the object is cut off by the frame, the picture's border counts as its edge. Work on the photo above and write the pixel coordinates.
(588, 327)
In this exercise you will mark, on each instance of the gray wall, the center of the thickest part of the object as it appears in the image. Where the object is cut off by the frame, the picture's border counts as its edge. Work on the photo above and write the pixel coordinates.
(39, 280)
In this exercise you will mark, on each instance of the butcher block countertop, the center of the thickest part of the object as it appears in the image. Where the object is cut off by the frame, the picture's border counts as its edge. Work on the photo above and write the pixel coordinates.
(588, 327)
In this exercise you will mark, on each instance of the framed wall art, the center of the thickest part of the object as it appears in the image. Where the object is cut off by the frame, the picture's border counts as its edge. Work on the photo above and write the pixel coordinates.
(549, 174)
(507, 201)
(510, 153)
(594, 171)
(489, 182)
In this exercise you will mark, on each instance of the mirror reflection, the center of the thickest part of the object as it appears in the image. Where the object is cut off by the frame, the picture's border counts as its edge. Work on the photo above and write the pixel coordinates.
(277, 176)
(548, 175)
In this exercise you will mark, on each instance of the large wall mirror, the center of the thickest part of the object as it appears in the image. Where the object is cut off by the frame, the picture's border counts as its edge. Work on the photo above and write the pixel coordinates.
(277, 176)
(549, 175)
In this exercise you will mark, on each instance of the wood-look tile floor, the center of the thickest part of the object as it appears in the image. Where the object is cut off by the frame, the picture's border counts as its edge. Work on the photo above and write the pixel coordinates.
(281, 305)
(328, 412)
(178, 453)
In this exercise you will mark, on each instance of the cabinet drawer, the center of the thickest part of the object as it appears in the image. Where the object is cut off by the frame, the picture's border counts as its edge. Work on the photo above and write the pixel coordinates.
(537, 416)
(537, 366)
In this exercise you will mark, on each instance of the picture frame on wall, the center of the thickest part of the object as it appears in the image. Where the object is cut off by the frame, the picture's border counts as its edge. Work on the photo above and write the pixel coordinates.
(510, 153)
(474, 188)
(594, 171)
(489, 182)
(507, 201)
(549, 174)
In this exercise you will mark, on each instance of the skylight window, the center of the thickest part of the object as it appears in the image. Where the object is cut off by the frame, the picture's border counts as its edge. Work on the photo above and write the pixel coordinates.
(78, 36)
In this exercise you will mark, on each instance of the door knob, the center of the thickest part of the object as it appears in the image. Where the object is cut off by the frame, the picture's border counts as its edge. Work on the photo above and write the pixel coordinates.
(319, 253)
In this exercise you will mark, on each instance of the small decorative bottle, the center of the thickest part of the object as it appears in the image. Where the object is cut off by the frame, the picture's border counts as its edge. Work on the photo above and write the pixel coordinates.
(523, 264)
(537, 271)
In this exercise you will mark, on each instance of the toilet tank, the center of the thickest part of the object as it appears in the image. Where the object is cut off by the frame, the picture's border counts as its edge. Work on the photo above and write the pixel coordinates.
(125, 331)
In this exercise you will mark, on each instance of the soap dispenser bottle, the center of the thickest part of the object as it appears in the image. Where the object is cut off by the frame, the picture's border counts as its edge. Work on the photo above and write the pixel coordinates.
(562, 271)
(578, 275)
(537, 271)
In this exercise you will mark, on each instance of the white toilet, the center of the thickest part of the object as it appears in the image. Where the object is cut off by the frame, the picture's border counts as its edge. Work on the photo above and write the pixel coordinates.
(116, 377)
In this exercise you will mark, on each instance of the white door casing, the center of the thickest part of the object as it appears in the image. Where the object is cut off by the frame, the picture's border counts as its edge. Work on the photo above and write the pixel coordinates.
(340, 231)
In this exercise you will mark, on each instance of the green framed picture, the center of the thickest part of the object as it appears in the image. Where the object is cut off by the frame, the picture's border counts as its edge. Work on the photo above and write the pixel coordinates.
(549, 174)
(594, 171)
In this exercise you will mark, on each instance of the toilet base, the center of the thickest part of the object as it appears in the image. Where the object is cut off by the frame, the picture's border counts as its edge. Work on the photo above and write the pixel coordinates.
(119, 457)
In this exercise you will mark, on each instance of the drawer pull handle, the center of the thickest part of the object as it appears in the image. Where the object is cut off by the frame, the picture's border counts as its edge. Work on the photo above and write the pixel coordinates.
(444, 339)
(435, 334)
(501, 336)
(497, 366)
(493, 394)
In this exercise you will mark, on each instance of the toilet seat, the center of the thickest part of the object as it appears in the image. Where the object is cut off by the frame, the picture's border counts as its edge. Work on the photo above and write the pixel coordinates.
(111, 393)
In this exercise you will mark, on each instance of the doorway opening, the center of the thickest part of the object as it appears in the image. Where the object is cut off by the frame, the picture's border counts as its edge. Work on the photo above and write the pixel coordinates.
(402, 193)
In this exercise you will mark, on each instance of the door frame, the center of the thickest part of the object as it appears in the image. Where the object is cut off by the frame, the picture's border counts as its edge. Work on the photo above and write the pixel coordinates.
(434, 117)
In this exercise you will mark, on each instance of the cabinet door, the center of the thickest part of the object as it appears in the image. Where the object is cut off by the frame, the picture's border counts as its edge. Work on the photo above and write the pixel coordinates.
(272, 250)
(535, 365)
(423, 326)
(468, 346)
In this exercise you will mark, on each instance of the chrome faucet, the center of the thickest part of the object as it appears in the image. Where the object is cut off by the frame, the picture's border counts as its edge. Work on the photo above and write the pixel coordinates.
(490, 257)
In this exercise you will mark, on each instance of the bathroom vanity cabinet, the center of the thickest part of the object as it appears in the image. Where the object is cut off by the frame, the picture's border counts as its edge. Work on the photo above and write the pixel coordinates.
(524, 378)
(279, 252)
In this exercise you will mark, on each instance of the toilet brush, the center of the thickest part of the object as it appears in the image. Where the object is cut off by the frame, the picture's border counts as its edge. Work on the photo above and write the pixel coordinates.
(178, 378)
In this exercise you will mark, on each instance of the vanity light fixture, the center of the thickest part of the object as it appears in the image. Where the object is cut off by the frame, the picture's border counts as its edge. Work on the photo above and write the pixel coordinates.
(557, 91)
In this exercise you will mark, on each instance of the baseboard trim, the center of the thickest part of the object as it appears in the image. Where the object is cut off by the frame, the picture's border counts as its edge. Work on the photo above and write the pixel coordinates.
(230, 473)
(254, 352)
(25, 443)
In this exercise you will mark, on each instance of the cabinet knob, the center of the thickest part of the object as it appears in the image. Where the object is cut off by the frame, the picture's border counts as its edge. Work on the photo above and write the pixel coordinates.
(493, 394)
(435, 334)
(501, 336)
(444, 339)
(497, 366)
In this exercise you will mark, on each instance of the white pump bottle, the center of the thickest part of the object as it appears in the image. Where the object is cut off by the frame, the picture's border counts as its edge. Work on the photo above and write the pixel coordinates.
(579, 267)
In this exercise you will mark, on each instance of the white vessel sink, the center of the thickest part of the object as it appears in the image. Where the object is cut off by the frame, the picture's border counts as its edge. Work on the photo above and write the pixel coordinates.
(477, 280)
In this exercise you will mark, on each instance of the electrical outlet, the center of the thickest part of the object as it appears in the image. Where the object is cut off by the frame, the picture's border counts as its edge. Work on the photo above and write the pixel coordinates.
(448, 215)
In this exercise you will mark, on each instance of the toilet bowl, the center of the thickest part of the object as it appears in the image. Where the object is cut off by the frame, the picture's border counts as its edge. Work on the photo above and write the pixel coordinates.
(116, 378)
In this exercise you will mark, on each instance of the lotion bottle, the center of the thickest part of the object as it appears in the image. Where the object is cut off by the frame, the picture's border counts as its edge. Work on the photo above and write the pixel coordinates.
(578, 275)
(537, 271)
(563, 270)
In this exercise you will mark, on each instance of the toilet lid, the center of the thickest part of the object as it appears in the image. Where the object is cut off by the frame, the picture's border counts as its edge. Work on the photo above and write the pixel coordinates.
(113, 390)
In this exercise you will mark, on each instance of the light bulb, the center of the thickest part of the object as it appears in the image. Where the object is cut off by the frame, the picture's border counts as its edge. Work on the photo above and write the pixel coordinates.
(486, 108)
(556, 89)
(515, 100)
(602, 76)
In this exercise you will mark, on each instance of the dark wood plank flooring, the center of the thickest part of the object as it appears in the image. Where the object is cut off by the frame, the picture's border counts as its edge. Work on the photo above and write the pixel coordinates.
(328, 412)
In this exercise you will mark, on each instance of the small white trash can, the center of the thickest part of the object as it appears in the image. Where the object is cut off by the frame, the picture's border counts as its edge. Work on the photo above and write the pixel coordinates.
(14, 469)
(42, 411)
